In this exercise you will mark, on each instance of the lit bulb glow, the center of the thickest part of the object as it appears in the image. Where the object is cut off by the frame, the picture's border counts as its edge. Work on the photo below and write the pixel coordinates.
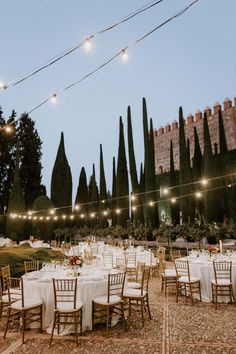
(133, 197)
(92, 215)
(165, 191)
(105, 213)
(72, 217)
(53, 98)
(3, 86)
(88, 44)
(204, 182)
(198, 194)
(51, 211)
(77, 207)
(134, 208)
(151, 203)
(82, 216)
(117, 211)
(8, 129)
(124, 55)
(173, 200)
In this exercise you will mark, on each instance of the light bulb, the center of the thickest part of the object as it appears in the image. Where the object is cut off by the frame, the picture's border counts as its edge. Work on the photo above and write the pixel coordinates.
(124, 55)
(82, 216)
(198, 194)
(87, 44)
(105, 213)
(3, 86)
(133, 208)
(151, 203)
(8, 129)
(204, 182)
(165, 191)
(173, 200)
(53, 98)
(117, 211)
(77, 207)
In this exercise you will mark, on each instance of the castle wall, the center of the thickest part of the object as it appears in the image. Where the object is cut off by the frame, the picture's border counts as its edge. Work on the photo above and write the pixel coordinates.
(164, 135)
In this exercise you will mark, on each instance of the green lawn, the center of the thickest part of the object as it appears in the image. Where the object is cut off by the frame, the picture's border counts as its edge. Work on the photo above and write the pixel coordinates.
(15, 257)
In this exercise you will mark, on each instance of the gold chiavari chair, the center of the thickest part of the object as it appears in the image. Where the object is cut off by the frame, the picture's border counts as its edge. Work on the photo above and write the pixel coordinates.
(31, 266)
(137, 284)
(139, 297)
(68, 308)
(175, 255)
(104, 307)
(187, 285)
(24, 308)
(222, 284)
(131, 265)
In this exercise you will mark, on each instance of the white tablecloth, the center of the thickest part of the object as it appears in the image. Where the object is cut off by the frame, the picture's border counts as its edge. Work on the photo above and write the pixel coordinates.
(202, 267)
(40, 286)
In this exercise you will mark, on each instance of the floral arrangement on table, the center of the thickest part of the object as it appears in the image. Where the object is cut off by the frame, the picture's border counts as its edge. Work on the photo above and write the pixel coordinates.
(76, 261)
(213, 249)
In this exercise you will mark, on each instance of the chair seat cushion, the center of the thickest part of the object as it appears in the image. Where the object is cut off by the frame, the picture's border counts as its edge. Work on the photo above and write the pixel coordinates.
(14, 297)
(133, 285)
(169, 273)
(221, 282)
(102, 300)
(185, 279)
(134, 293)
(28, 304)
(68, 306)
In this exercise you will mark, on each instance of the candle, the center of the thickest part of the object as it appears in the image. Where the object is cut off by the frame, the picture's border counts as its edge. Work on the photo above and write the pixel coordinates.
(221, 247)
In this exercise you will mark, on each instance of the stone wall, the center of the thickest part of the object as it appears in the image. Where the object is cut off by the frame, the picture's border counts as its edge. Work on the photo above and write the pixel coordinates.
(163, 135)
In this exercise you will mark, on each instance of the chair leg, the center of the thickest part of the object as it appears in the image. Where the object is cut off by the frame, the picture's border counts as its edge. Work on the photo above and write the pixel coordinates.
(216, 296)
(177, 291)
(129, 307)
(8, 320)
(191, 294)
(149, 312)
(142, 303)
(23, 314)
(123, 315)
(41, 318)
(53, 327)
(200, 293)
(108, 317)
(75, 325)
(93, 309)
(81, 323)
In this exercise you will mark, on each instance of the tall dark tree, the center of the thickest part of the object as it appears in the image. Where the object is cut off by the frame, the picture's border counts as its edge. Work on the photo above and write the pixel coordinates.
(226, 169)
(197, 171)
(82, 198)
(137, 215)
(155, 187)
(113, 201)
(174, 190)
(142, 190)
(103, 192)
(15, 226)
(122, 183)
(61, 182)
(30, 167)
(150, 196)
(211, 170)
(93, 199)
(185, 175)
(7, 165)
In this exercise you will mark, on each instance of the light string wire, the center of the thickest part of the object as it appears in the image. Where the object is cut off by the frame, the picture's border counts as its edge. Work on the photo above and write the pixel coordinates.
(70, 50)
(134, 195)
(180, 13)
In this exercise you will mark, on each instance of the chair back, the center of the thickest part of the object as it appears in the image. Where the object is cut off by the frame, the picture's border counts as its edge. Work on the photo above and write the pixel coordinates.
(65, 290)
(108, 258)
(145, 280)
(175, 254)
(15, 290)
(120, 262)
(182, 268)
(162, 263)
(139, 271)
(115, 285)
(31, 266)
(161, 251)
(131, 259)
(6, 274)
(222, 270)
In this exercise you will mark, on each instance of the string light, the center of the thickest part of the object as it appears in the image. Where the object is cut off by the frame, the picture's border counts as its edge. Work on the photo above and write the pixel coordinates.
(122, 53)
(68, 51)
(105, 213)
(52, 211)
(8, 129)
(53, 98)
(72, 217)
(64, 216)
(3, 86)
(165, 191)
(133, 197)
(77, 207)
(204, 182)
(82, 216)
(118, 211)
(151, 203)
(198, 195)
(173, 200)
(92, 215)
(134, 208)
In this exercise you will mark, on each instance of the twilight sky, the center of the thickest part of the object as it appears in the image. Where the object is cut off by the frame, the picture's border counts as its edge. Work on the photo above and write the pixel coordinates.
(190, 62)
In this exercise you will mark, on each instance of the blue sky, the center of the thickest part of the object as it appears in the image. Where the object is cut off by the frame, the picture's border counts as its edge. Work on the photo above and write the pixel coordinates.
(190, 62)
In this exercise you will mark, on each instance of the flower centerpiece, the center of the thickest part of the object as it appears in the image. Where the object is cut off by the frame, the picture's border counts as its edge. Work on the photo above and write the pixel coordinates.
(76, 261)
(213, 249)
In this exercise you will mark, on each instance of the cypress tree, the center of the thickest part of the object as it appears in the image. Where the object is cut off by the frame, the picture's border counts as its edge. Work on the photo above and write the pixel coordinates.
(15, 226)
(137, 215)
(82, 198)
(93, 199)
(174, 192)
(188, 152)
(185, 174)
(122, 183)
(197, 169)
(30, 167)
(113, 202)
(103, 192)
(226, 169)
(155, 186)
(149, 211)
(212, 199)
(142, 190)
(61, 176)
(7, 166)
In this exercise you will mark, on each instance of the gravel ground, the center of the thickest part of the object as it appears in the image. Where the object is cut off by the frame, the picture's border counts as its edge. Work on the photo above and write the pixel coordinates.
(174, 328)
